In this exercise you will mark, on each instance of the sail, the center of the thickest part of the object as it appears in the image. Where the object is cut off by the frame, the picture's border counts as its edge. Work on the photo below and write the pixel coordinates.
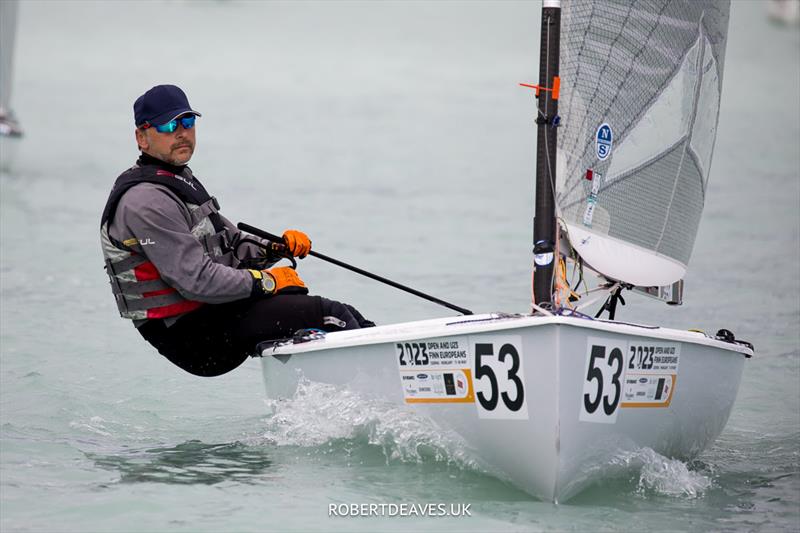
(640, 93)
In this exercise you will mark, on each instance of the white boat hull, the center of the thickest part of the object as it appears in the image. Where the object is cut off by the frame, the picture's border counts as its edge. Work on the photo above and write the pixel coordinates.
(524, 393)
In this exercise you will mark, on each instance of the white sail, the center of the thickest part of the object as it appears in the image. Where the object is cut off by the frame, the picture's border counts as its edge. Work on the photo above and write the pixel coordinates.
(640, 93)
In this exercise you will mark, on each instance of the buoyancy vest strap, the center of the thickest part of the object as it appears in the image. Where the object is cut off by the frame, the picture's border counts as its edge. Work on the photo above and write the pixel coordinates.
(129, 263)
(121, 304)
(203, 210)
(142, 304)
(219, 240)
(140, 287)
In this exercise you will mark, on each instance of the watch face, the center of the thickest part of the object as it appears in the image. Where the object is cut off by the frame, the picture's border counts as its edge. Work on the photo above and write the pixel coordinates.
(268, 283)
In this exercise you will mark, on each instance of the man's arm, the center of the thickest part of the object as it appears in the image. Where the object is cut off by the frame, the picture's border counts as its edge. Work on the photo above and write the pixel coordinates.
(255, 256)
(158, 220)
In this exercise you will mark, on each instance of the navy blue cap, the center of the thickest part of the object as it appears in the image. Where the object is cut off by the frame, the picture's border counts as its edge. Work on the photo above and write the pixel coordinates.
(161, 104)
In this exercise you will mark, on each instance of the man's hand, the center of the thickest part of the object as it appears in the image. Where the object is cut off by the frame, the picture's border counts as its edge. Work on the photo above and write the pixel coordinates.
(283, 280)
(297, 243)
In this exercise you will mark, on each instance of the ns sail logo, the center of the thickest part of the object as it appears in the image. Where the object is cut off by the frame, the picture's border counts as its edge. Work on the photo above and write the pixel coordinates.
(604, 139)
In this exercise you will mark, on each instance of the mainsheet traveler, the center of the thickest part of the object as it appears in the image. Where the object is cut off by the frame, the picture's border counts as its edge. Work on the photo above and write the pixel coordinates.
(180, 270)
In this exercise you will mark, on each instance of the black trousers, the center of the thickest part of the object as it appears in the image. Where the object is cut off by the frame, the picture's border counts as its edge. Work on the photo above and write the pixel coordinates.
(215, 339)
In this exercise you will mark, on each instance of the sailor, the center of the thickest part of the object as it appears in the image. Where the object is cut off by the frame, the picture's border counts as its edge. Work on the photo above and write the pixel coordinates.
(202, 293)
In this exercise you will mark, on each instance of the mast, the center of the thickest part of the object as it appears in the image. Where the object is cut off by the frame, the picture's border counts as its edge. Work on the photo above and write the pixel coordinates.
(8, 24)
(544, 221)
(9, 127)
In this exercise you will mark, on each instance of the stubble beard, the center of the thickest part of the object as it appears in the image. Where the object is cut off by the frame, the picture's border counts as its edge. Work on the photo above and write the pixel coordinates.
(179, 160)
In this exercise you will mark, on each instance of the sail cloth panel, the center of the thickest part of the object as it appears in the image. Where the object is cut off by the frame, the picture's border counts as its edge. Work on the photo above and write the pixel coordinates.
(640, 91)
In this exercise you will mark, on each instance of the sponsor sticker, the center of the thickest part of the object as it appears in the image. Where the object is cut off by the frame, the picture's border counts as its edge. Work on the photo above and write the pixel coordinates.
(435, 371)
(604, 140)
(591, 201)
(440, 386)
(651, 374)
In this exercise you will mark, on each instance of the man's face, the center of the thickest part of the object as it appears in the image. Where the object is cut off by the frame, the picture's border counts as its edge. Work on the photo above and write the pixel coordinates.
(175, 148)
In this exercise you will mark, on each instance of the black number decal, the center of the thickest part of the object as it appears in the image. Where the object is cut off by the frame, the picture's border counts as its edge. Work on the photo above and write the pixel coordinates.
(481, 370)
(599, 367)
(633, 355)
(615, 355)
(416, 353)
(598, 352)
(425, 359)
(402, 361)
(516, 404)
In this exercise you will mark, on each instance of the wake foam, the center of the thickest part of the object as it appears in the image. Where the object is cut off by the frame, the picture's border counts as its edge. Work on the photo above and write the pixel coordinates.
(332, 419)
(659, 475)
(319, 414)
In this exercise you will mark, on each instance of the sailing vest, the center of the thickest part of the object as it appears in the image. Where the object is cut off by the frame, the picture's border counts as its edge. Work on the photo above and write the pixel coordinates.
(140, 292)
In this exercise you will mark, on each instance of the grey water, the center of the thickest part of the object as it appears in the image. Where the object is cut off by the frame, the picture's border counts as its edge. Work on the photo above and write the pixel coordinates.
(397, 136)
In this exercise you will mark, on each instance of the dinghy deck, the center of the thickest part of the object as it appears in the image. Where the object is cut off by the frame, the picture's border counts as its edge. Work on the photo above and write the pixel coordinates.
(439, 327)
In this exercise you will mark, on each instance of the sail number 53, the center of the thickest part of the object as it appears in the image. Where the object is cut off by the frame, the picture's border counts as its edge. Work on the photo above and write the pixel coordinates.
(603, 379)
(499, 379)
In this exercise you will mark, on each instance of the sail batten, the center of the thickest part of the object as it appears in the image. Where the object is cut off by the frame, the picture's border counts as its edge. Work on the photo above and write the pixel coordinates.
(641, 85)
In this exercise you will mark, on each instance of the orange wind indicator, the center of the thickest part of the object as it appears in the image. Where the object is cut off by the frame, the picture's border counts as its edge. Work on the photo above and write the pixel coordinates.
(553, 90)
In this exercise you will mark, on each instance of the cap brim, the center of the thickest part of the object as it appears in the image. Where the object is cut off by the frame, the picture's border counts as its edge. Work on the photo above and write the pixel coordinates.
(163, 118)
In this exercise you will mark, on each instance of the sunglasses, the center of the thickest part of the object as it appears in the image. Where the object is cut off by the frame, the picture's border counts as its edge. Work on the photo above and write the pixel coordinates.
(172, 125)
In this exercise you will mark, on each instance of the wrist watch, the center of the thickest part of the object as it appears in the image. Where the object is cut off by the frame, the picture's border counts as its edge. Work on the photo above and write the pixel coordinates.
(268, 283)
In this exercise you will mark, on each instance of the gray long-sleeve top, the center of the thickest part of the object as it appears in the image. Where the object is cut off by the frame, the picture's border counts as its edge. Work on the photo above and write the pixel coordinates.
(161, 222)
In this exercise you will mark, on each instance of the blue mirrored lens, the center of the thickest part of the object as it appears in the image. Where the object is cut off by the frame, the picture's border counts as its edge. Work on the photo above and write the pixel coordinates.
(169, 127)
(188, 122)
(172, 125)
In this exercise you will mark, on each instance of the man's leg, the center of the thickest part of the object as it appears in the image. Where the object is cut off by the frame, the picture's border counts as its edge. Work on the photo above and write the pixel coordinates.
(215, 339)
(280, 316)
(362, 322)
(198, 342)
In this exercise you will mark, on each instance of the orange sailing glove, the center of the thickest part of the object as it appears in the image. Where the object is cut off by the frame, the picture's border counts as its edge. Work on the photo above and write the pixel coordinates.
(282, 280)
(297, 242)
